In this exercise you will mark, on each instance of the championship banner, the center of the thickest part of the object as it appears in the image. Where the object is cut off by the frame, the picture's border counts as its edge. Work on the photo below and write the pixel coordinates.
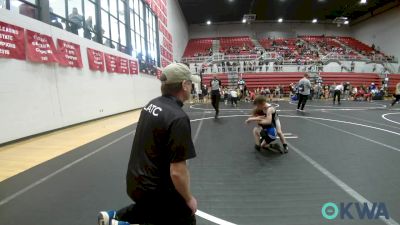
(111, 63)
(40, 48)
(122, 65)
(133, 67)
(69, 54)
(95, 59)
(12, 41)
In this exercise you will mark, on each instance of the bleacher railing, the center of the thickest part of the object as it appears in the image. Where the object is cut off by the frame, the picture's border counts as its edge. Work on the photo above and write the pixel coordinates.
(222, 57)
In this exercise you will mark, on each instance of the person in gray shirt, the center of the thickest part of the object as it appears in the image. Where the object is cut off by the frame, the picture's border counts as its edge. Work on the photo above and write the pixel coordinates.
(304, 91)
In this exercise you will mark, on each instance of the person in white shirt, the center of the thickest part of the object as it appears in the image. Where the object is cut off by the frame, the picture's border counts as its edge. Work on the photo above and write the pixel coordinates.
(234, 97)
(396, 95)
(338, 91)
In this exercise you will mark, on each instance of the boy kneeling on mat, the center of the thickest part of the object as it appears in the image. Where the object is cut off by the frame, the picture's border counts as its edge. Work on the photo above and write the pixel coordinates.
(269, 126)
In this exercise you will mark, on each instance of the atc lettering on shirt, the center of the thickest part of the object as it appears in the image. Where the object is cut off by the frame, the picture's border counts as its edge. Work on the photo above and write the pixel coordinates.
(153, 109)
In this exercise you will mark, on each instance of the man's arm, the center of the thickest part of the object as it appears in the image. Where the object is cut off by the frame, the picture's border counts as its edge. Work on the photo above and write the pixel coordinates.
(267, 119)
(181, 179)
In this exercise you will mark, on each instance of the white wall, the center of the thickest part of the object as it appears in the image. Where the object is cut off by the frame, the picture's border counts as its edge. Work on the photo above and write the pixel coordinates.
(36, 98)
(273, 30)
(382, 30)
(178, 28)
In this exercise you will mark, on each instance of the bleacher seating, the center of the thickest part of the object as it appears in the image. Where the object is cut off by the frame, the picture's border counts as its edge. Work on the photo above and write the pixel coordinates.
(293, 50)
(356, 44)
(355, 79)
(257, 80)
(236, 45)
(198, 47)
(272, 79)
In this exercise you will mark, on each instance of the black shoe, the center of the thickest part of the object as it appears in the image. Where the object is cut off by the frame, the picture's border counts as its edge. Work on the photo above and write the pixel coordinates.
(285, 148)
(216, 115)
(257, 147)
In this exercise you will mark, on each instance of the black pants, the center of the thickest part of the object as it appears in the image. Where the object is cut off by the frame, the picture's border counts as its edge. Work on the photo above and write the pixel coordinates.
(234, 100)
(215, 102)
(158, 209)
(396, 100)
(302, 101)
(337, 93)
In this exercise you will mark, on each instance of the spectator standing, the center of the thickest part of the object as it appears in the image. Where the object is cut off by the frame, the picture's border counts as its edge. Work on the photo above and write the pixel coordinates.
(234, 97)
(304, 92)
(338, 90)
(352, 66)
(88, 28)
(76, 21)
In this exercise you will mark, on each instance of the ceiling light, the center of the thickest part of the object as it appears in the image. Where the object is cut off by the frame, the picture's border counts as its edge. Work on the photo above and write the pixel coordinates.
(346, 22)
(230, 0)
(363, 1)
(244, 21)
(280, 20)
(208, 22)
(314, 21)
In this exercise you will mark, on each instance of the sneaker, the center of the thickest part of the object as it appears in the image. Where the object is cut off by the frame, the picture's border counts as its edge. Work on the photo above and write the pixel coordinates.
(285, 148)
(105, 218)
(216, 115)
(257, 147)
(116, 222)
(277, 147)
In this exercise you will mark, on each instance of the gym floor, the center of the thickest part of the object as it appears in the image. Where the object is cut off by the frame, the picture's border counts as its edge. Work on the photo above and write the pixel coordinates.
(341, 154)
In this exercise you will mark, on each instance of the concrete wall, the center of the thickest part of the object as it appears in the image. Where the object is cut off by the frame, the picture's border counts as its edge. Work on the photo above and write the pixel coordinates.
(273, 30)
(36, 98)
(178, 28)
(382, 30)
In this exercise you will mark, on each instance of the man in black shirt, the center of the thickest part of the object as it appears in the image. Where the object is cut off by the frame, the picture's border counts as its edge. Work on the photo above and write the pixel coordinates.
(158, 178)
(215, 85)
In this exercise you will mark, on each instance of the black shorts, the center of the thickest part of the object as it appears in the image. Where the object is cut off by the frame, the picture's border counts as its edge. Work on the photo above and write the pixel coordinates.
(268, 135)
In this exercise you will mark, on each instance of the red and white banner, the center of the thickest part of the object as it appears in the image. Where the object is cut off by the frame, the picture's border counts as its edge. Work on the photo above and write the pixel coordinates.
(133, 67)
(69, 54)
(95, 59)
(40, 48)
(122, 65)
(111, 63)
(12, 41)
(159, 73)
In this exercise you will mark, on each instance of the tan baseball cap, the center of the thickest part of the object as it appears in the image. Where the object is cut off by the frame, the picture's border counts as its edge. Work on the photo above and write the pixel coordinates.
(177, 72)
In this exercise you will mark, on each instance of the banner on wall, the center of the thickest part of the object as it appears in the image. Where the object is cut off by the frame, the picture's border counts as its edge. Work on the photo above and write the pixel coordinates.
(12, 43)
(122, 65)
(95, 59)
(111, 63)
(159, 73)
(40, 48)
(133, 67)
(69, 54)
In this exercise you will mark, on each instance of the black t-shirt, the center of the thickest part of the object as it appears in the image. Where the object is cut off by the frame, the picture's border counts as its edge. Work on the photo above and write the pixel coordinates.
(163, 136)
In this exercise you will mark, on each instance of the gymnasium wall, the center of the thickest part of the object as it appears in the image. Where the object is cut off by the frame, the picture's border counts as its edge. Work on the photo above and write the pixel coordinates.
(382, 30)
(36, 97)
(178, 28)
(260, 30)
